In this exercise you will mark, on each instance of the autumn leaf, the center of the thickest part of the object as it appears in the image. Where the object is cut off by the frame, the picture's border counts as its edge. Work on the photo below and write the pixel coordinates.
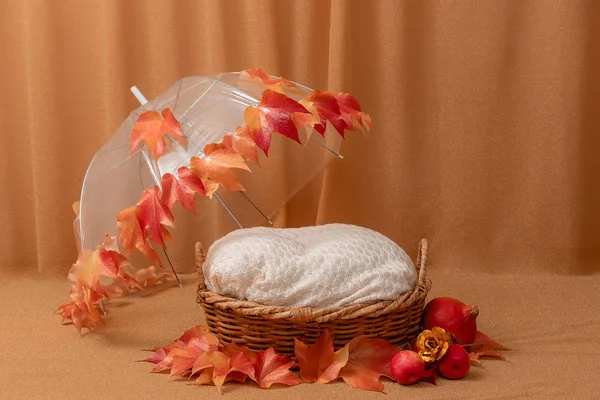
(146, 277)
(214, 168)
(306, 122)
(368, 359)
(151, 127)
(277, 84)
(152, 213)
(273, 114)
(131, 236)
(184, 358)
(485, 346)
(273, 368)
(181, 187)
(242, 142)
(329, 111)
(110, 261)
(76, 207)
(352, 113)
(232, 348)
(319, 363)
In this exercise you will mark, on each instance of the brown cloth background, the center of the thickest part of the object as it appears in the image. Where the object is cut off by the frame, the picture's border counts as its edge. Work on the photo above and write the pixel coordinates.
(486, 134)
(486, 141)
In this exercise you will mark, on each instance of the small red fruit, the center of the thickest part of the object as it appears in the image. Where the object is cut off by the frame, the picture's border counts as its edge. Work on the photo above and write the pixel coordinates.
(455, 364)
(407, 367)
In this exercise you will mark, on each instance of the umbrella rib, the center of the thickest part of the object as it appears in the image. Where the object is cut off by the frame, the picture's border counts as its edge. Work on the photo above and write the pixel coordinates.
(231, 214)
(257, 209)
(197, 100)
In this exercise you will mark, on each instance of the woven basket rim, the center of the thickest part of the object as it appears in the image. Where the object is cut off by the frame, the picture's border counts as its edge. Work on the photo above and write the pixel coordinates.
(310, 314)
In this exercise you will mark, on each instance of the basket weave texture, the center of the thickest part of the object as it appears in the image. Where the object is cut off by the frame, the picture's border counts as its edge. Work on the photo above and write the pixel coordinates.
(260, 326)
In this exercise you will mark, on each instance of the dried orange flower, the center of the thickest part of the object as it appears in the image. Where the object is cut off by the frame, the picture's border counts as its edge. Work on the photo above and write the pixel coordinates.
(433, 344)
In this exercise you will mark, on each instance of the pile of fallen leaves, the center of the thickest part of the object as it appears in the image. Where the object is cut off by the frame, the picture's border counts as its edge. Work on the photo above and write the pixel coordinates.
(198, 356)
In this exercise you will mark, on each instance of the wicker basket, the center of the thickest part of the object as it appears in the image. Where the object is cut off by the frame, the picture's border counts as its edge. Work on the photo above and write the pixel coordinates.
(259, 327)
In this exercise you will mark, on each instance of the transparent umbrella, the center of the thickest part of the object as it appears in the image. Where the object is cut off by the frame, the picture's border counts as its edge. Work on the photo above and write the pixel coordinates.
(207, 108)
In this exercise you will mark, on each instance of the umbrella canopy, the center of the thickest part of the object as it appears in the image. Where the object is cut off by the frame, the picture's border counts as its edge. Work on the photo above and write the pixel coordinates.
(204, 135)
(208, 108)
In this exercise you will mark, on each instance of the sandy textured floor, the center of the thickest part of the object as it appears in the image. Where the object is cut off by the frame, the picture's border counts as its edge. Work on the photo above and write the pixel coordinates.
(553, 320)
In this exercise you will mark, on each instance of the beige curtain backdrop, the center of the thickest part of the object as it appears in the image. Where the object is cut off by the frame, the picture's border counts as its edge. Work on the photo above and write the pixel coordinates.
(486, 115)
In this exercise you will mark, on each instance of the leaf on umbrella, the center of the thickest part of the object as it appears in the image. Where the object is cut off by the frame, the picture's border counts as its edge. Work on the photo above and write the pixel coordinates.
(131, 236)
(181, 187)
(110, 261)
(273, 368)
(151, 127)
(277, 84)
(81, 312)
(352, 113)
(306, 122)
(368, 359)
(214, 168)
(152, 213)
(76, 207)
(329, 111)
(242, 142)
(147, 277)
(319, 363)
(273, 114)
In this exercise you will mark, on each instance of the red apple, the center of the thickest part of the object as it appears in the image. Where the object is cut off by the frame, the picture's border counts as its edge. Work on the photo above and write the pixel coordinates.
(455, 364)
(407, 367)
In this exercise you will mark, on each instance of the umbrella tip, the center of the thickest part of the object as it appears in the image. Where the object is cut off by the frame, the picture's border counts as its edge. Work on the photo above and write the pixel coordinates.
(138, 95)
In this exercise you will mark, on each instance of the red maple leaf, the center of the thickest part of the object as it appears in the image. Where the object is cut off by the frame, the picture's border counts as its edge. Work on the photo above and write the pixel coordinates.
(152, 213)
(352, 113)
(329, 111)
(273, 114)
(181, 187)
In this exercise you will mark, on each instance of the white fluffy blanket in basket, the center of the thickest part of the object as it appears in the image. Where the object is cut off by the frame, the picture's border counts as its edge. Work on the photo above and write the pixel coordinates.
(319, 266)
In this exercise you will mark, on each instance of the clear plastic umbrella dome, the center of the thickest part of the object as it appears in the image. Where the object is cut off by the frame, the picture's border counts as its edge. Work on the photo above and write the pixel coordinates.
(207, 108)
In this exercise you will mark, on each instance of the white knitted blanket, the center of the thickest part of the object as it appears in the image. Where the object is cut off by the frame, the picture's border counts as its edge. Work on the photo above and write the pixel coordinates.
(319, 266)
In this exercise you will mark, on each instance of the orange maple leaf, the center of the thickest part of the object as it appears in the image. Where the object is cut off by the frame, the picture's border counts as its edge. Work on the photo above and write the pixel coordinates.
(214, 168)
(151, 127)
(222, 366)
(319, 363)
(131, 235)
(306, 122)
(277, 84)
(242, 142)
(184, 358)
(368, 359)
(273, 368)
(329, 111)
(273, 114)
(182, 188)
